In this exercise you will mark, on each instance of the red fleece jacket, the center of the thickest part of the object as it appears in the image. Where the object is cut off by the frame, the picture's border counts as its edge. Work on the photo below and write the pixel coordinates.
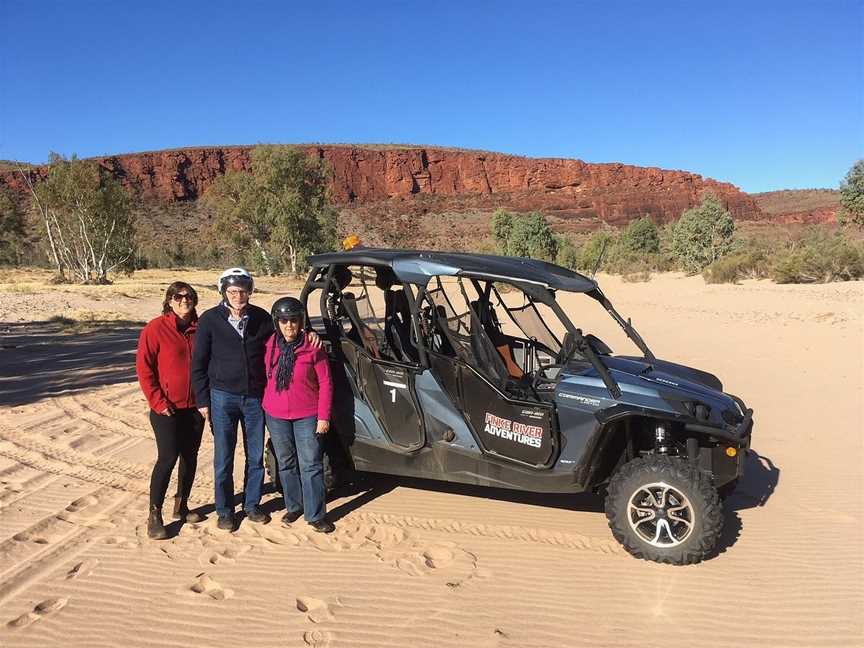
(164, 363)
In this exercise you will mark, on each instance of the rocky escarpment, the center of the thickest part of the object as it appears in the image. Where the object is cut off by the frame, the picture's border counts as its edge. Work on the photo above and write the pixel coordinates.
(412, 178)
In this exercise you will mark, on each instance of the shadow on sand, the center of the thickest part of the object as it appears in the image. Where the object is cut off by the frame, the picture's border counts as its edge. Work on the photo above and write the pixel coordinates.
(44, 359)
(760, 480)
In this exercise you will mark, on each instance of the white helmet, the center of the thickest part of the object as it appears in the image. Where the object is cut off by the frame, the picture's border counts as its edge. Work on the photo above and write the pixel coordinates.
(239, 277)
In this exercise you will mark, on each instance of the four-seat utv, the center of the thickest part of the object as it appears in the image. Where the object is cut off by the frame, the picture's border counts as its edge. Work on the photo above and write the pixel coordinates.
(466, 368)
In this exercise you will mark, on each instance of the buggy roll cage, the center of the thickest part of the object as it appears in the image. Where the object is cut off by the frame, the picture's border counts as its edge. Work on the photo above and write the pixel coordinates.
(538, 280)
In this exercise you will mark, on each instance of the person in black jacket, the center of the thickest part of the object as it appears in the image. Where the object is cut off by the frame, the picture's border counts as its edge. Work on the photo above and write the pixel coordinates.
(228, 377)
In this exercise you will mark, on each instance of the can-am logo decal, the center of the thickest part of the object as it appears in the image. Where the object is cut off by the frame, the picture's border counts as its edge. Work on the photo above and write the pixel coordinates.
(530, 435)
(593, 402)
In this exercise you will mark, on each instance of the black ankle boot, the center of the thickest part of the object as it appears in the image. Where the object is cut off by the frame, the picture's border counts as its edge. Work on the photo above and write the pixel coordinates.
(155, 526)
(182, 512)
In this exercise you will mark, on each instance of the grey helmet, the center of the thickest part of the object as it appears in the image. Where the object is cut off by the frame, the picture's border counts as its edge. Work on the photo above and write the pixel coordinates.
(239, 277)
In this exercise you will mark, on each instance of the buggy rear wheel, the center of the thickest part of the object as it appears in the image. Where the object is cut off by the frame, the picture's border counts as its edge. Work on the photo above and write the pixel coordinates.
(664, 509)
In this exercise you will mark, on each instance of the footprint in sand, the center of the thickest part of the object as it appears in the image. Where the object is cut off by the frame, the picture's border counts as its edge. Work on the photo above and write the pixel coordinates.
(84, 568)
(11, 486)
(26, 536)
(329, 542)
(317, 610)
(276, 535)
(85, 442)
(204, 584)
(84, 511)
(82, 502)
(43, 609)
(121, 541)
(317, 638)
(353, 536)
(445, 557)
(224, 555)
(438, 557)
(381, 536)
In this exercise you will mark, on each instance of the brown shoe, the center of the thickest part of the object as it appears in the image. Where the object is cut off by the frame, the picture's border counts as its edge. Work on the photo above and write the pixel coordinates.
(181, 512)
(155, 525)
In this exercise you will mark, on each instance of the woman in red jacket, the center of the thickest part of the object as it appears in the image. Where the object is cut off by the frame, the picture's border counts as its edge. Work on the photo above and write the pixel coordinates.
(297, 403)
(163, 364)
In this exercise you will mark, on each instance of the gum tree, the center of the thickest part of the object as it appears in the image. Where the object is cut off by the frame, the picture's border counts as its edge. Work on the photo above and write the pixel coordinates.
(852, 195)
(278, 212)
(87, 220)
(702, 235)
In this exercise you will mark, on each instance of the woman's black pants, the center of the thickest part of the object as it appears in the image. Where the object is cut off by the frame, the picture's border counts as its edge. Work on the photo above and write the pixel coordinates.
(177, 436)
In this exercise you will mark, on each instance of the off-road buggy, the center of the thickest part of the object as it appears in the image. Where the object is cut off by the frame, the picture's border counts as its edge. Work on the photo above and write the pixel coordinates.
(465, 368)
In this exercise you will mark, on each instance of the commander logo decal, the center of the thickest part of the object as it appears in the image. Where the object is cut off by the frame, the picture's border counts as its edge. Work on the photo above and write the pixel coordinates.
(530, 435)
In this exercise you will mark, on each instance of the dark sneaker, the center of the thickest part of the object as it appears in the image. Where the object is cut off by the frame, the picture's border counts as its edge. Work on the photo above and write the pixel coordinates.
(323, 526)
(155, 525)
(291, 516)
(258, 516)
(226, 522)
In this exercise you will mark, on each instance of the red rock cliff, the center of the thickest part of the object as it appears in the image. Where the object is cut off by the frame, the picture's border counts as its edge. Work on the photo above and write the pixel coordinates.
(567, 188)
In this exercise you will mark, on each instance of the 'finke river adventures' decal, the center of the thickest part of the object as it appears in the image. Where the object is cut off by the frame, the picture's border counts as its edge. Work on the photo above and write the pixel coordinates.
(530, 435)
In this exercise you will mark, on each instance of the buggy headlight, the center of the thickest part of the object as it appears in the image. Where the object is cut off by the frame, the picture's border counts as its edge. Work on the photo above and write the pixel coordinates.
(731, 418)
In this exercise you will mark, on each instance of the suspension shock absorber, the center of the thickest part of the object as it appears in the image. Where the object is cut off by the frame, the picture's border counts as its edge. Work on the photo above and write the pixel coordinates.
(661, 439)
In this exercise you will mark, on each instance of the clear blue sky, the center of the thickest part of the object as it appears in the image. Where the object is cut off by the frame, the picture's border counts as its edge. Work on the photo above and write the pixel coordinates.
(766, 95)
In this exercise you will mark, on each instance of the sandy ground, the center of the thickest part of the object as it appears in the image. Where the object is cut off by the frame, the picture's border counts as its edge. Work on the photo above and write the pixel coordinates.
(419, 564)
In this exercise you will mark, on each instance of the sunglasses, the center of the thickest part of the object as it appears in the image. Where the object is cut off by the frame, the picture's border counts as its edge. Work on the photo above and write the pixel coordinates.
(293, 320)
(181, 296)
(235, 292)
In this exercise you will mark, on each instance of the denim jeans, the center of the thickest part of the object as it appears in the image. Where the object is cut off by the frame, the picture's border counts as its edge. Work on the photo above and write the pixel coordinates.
(226, 410)
(302, 486)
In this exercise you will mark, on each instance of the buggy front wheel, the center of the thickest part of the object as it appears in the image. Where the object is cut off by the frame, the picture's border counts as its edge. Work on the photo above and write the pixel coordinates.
(664, 509)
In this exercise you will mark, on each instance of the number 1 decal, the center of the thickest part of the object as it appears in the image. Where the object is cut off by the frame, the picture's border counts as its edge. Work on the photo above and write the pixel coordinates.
(393, 387)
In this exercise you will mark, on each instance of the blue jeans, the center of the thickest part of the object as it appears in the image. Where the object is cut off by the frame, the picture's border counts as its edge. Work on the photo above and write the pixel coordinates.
(296, 442)
(226, 410)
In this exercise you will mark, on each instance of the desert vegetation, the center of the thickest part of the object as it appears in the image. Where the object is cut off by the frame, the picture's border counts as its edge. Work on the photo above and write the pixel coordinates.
(84, 224)
(704, 240)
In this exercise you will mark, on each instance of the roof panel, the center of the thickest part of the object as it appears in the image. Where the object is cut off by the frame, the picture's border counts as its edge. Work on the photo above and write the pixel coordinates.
(415, 266)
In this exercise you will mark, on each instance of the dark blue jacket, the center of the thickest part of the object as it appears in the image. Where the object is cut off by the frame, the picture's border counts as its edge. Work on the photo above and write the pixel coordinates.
(223, 360)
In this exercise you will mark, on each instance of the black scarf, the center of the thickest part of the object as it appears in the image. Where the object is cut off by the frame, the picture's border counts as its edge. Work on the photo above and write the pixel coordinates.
(285, 366)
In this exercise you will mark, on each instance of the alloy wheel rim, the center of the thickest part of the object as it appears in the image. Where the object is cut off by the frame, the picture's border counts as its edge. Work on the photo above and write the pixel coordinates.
(661, 515)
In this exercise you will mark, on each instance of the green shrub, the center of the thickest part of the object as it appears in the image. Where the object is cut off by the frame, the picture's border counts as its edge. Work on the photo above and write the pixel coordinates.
(524, 236)
(502, 224)
(638, 269)
(12, 229)
(819, 257)
(702, 235)
(568, 254)
(749, 260)
(640, 237)
(600, 243)
(852, 195)
(531, 237)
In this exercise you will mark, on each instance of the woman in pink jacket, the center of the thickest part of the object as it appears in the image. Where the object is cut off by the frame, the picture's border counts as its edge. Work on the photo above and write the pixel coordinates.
(297, 403)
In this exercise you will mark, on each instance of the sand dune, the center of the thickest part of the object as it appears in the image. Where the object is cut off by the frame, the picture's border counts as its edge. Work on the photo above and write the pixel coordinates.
(413, 563)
